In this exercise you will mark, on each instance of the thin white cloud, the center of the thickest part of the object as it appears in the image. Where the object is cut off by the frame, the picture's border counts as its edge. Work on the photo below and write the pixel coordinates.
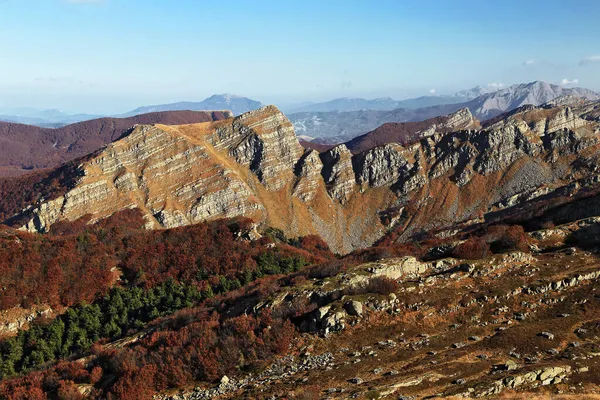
(496, 85)
(566, 81)
(530, 62)
(432, 91)
(590, 60)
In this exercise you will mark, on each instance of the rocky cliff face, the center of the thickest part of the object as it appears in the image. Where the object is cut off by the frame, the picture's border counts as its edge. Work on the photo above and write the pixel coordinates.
(308, 171)
(253, 166)
(462, 119)
(262, 140)
(182, 175)
(338, 174)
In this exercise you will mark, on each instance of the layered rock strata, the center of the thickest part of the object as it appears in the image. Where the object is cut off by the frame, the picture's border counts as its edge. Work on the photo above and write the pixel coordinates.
(253, 166)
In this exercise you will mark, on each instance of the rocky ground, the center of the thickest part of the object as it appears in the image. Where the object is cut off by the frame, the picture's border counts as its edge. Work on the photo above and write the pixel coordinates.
(508, 325)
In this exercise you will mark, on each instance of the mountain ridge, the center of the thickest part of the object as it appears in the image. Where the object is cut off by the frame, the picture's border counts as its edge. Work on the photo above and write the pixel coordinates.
(406, 133)
(25, 147)
(338, 127)
(254, 166)
(344, 104)
(534, 93)
(236, 104)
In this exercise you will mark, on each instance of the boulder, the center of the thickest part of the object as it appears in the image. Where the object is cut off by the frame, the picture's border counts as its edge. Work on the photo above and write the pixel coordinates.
(354, 308)
(334, 321)
(552, 372)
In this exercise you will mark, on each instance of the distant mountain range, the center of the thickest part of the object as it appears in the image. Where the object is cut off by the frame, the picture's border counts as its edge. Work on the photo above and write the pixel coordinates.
(380, 104)
(340, 120)
(236, 104)
(44, 118)
(338, 127)
(387, 103)
(535, 93)
(56, 118)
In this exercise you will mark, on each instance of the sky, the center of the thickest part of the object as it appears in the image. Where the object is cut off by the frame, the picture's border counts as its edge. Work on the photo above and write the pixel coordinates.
(110, 56)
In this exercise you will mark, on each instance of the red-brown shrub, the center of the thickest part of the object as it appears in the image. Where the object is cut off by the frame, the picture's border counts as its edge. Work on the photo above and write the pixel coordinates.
(472, 249)
(315, 245)
(511, 238)
(382, 285)
(95, 375)
(67, 390)
(29, 387)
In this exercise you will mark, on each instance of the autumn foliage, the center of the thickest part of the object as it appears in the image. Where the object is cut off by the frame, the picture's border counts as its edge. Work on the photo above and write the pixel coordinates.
(494, 239)
(205, 348)
(472, 249)
(79, 262)
(20, 192)
(116, 278)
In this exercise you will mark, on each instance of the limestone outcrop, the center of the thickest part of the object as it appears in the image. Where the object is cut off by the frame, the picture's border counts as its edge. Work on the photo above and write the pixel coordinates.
(308, 171)
(253, 165)
(383, 165)
(264, 141)
(14, 319)
(338, 172)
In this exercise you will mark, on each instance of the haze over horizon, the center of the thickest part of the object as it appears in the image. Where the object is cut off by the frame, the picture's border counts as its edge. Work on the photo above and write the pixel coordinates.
(321, 51)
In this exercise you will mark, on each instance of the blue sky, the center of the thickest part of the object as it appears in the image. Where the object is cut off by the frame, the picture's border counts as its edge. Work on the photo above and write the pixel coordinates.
(109, 56)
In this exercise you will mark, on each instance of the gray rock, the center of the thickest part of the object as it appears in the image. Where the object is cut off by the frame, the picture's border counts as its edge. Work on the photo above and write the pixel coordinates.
(547, 335)
(338, 172)
(354, 308)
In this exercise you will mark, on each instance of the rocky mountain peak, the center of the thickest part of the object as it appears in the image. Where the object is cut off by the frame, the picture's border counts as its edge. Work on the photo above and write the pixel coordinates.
(533, 93)
(264, 140)
(473, 92)
(252, 165)
(308, 171)
(338, 172)
(460, 119)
